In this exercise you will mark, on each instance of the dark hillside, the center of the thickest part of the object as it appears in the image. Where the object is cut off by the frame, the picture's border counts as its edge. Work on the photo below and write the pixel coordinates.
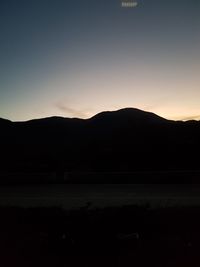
(126, 140)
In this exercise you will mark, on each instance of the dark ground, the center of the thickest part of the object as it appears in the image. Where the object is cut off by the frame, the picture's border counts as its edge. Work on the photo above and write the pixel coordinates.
(123, 236)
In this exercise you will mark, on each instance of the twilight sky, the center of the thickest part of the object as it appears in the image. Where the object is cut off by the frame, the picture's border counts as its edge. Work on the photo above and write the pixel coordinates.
(76, 58)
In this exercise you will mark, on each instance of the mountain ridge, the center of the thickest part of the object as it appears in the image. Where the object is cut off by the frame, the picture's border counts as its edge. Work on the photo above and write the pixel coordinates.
(123, 111)
(127, 140)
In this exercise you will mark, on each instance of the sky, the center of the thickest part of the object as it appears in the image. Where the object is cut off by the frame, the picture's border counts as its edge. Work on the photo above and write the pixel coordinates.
(77, 58)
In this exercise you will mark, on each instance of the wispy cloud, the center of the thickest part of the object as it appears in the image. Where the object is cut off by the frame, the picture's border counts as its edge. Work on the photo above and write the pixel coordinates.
(68, 111)
(187, 118)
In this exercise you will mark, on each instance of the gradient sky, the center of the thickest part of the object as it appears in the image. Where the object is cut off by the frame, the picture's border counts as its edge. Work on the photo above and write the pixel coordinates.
(76, 58)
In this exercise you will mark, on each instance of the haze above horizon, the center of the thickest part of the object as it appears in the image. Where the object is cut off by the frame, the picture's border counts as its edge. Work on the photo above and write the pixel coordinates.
(76, 59)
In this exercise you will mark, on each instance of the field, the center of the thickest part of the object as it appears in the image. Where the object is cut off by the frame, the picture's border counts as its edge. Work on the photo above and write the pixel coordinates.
(112, 236)
(99, 195)
(100, 225)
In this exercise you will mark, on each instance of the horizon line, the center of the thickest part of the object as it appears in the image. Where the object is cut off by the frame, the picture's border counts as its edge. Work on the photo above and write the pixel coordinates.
(176, 118)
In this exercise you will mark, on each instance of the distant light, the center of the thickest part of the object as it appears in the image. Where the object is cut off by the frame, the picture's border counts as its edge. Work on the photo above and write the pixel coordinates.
(129, 3)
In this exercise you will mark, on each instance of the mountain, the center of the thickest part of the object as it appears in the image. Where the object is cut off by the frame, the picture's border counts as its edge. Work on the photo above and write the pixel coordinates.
(128, 115)
(4, 122)
(125, 140)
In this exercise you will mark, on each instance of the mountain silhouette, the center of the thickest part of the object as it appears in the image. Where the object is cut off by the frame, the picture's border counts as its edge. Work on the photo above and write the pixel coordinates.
(128, 115)
(125, 140)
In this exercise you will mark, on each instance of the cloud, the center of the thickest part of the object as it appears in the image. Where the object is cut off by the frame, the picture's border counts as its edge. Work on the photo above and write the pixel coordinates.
(195, 117)
(71, 111)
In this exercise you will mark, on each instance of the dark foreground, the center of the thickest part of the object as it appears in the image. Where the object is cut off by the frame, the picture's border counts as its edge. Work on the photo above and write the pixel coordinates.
(123, 236)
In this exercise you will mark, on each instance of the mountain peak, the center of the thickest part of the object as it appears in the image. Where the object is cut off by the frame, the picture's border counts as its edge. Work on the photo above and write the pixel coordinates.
(128, 114)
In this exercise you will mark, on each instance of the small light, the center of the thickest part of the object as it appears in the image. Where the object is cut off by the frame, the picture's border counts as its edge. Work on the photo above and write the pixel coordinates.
(129, 4)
